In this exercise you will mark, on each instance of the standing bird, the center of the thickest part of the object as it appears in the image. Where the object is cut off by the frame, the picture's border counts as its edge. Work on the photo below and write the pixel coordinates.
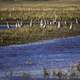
(31, 23)
(76, 21)
(65, 22)
(16, 25)
(19, 25)
(7, 25)
(41, 23)
(44, 24)
(71, 26)
(59, 24)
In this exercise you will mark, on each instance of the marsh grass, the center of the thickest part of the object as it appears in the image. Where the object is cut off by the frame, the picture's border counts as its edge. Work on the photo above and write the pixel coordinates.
(33, 34)
(39, 10)
(31, 10)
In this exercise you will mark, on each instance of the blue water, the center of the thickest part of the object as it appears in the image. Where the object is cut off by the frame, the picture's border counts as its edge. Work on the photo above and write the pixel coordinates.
(52, 54)
(3, 27)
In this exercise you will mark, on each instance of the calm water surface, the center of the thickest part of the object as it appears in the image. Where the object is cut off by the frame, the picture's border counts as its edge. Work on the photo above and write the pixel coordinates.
(32, 58)
(4, 27)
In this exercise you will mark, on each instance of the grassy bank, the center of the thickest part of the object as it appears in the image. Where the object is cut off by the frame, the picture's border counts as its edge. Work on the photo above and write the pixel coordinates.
(33, 34)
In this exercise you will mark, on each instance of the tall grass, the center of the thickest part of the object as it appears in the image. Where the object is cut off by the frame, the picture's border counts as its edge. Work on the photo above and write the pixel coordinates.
(32, 34)
(40, 12)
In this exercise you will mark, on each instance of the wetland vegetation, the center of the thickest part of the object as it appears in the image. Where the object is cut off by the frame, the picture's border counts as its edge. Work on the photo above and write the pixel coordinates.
(30, 11)
(32, 34)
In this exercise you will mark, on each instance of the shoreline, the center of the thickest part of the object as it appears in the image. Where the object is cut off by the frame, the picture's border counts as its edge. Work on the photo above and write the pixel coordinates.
(32, 35)
(39, 42)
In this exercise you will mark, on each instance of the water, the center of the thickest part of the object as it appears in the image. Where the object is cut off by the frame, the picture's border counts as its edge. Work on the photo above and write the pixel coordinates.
(3, 27)
(32, 58)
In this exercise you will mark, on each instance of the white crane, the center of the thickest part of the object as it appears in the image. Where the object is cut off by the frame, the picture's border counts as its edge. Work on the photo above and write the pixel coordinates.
(18, 24)
(31, 23)
(71, 26)
(50, 22)
(59, 24)
(65, 22)
(76, 21)
(41, 23)
(44, 24)
(7, 25)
